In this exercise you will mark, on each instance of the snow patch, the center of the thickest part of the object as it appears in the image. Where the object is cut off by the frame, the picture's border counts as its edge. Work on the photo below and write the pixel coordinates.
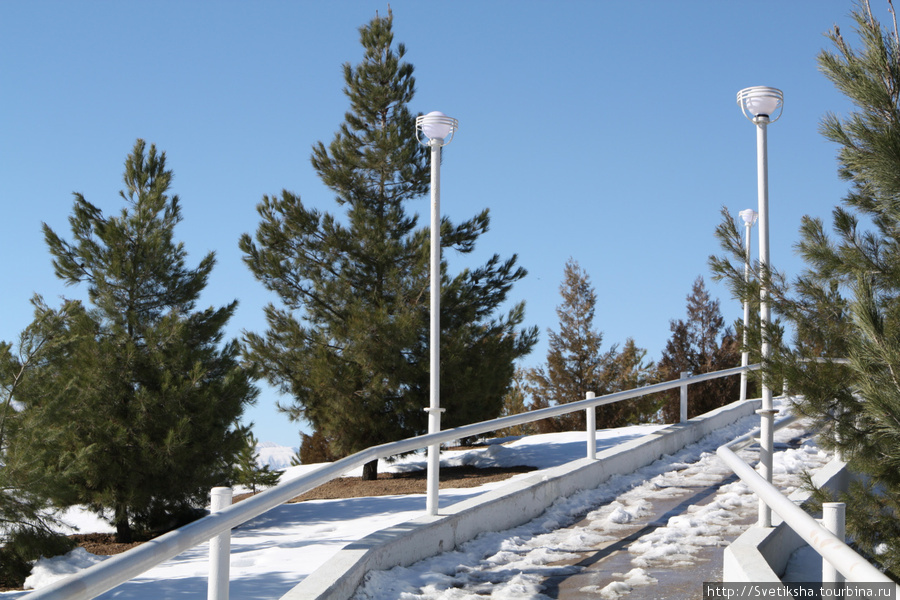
(275, 456)
(617, 589)
(47, 571)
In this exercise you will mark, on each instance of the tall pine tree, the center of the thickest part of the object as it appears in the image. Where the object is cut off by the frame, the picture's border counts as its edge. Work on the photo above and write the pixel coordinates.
(349, 342)
(700, 344)
(137, 409)
(575, 362)
(846, 303)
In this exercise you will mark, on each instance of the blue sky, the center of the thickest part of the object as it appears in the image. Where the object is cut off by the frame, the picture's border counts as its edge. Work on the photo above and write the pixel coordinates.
(603, 131)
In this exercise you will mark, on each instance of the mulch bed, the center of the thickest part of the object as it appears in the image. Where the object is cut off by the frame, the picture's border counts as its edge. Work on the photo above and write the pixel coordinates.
(102, 544)
(413, 482)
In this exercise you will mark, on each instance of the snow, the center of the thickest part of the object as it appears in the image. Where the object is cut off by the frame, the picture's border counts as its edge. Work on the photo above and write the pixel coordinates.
(50, 570)
(274, 552)
(275, 456)
(617, 589)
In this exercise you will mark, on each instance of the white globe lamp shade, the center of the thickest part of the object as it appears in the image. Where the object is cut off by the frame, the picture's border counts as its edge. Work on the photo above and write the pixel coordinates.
(761, 101)
(749, 216)
(436, 127)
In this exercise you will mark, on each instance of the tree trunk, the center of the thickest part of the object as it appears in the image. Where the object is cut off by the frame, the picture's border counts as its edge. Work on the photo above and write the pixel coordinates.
(370, 471)
(124, 534)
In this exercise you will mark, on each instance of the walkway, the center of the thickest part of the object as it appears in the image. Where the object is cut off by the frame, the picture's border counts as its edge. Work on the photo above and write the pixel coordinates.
(677, 544)
(658, 532)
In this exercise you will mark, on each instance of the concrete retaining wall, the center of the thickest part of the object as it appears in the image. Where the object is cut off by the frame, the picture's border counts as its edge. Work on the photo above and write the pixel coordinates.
(500, 509)
(761, 554)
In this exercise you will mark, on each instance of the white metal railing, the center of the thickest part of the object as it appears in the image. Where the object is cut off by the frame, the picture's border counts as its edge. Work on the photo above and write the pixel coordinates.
(120, 568)
(833, 549)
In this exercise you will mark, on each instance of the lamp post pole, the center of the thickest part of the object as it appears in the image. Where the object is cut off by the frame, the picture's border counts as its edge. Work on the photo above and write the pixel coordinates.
(749, 217)
(437, 129)
(762, 106)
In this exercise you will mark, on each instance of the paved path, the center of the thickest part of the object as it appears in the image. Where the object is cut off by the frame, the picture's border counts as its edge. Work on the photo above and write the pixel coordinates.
(656, 533)
(607, 564)
(677, 572)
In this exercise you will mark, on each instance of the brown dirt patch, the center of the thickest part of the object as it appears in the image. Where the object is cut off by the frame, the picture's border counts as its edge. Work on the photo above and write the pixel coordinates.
(102, 544)
(413, 482)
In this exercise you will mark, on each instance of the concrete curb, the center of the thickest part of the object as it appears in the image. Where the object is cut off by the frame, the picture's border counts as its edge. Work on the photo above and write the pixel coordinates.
(761, 554)
(500, 509)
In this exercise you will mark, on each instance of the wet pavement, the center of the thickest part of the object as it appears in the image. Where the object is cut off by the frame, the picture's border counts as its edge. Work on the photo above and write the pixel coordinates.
(608, 570)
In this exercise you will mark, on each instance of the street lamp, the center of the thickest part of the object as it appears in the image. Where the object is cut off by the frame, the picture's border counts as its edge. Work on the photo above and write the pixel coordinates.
(437, 129)
(749, 217)
(763, 105)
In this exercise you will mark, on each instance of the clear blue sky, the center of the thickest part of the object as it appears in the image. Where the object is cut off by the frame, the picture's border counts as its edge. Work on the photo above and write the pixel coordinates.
(604, 131)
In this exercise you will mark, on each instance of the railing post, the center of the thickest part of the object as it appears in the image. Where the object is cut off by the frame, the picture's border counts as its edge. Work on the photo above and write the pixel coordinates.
(591, 420)
(219, 549)
(766, 454)
(833, 521)
(684, 397)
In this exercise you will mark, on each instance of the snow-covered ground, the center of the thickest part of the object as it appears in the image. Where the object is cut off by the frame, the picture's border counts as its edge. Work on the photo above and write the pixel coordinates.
(278, 549)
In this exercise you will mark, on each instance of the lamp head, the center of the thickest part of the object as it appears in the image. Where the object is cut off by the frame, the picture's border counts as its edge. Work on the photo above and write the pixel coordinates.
(436, 127)
(749, 216)
(761, 103)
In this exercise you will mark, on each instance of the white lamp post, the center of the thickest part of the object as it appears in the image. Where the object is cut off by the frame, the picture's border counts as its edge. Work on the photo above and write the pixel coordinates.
(749, 217)
(437, 129)
(763, 105)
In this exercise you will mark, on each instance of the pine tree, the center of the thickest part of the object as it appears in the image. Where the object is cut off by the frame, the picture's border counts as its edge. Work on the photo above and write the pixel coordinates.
(700, 344)
(349, 343)
(846, 303)
(27, 526)
(627, 371)
(514, 403)
(575, 363)
(136, 412)
(247, 470)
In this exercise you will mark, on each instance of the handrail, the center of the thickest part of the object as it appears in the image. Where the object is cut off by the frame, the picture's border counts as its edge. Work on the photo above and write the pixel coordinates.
(850, 564)
(118, 569)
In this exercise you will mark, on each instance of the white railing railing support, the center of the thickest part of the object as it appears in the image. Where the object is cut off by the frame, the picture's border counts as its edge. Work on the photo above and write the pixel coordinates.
(833, 520)
(684, 397)
(591, 427)
(219, 549)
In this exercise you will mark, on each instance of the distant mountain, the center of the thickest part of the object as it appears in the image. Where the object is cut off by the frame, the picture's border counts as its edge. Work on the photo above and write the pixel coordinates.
(277, 457)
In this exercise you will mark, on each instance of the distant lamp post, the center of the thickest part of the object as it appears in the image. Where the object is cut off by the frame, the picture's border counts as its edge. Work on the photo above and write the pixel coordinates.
(763, 105)
(749, 217)
(435, 130)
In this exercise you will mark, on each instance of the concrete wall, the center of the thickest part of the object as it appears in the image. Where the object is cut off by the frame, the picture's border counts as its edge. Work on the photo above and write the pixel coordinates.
(500, 509)
(761, 554)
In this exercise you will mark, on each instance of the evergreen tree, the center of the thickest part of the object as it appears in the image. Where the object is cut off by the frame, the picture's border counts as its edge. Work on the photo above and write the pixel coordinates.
(247, 470)
(27, 528)
(514, 404)
(846, 303)
(137, 410)
(313, 449)
(700, 344)
(349, 343)
(628, 371)
(575, 363)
